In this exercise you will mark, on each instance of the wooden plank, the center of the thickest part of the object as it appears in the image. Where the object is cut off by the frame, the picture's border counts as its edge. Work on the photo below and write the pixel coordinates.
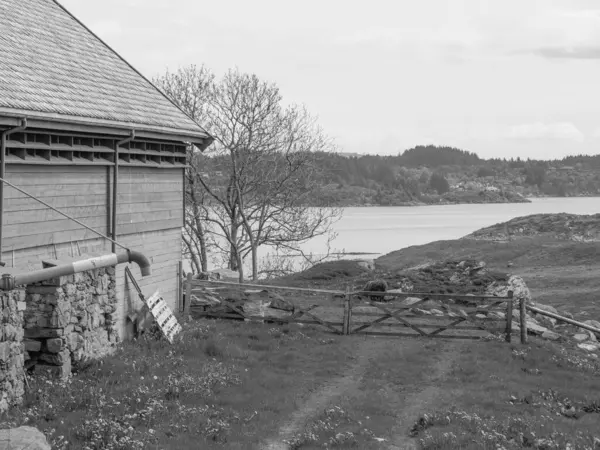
(400, 319)
(46, 215)
(57, 190)
(428, 296)
(509, 319)
(152, 225)
(35, 228)
(369, 324)
(265, 286)
(145, 217)
(197, 313)
(38, 240)
(137, 201)
(15, 170)
(437, 336)
(499, 328)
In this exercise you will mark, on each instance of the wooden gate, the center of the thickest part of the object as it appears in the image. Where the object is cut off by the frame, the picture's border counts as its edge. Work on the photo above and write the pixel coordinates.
(430, 315)
(418, 314)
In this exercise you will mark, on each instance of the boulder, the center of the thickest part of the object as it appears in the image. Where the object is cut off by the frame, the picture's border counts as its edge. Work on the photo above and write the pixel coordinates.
(367, 264)
(23, 438)
(589, 346)
(515, 284)
(535, 328)
(544, 321)
(593, 323)
(551, 335)
(437, 312)
(581, 337)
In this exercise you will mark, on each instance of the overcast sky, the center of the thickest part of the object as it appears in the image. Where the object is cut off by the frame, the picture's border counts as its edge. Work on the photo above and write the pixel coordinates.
(498, 77)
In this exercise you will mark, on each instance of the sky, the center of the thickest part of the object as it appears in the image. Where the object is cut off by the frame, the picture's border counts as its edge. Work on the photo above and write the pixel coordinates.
(502, 78)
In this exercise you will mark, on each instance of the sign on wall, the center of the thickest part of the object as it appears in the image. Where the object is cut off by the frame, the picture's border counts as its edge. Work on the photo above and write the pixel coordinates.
(163, 316)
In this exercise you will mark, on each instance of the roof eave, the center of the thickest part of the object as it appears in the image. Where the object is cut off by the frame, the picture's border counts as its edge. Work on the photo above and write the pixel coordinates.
(35, 119)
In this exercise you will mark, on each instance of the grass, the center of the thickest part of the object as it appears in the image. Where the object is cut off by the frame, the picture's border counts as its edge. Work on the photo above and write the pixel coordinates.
(517, 397)
(224, 384)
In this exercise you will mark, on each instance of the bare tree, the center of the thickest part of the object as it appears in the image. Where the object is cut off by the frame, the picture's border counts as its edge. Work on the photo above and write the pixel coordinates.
(267, 155)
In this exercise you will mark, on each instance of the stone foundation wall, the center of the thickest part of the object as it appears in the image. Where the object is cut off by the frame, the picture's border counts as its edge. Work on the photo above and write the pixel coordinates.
(69, 320)
(12, 305)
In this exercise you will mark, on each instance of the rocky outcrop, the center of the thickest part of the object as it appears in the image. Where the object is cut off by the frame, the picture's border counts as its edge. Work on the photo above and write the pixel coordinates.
(573, 227)
(12, 304)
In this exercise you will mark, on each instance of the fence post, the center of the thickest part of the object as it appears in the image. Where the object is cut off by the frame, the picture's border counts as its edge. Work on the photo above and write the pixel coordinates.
(523, 314)
(347, 312)
(509, 317)
(188, 297)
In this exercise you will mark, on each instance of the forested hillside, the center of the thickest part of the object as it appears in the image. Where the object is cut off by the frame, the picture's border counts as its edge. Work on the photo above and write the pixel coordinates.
(434, 175)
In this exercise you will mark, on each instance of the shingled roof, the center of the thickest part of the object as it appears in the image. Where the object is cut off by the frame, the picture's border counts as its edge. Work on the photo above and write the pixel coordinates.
(53, 67)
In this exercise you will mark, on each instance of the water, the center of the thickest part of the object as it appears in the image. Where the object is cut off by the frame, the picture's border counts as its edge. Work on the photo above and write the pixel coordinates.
(380, 230)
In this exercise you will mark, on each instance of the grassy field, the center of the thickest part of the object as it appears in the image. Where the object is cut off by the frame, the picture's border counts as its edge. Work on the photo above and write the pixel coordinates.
(239, 385)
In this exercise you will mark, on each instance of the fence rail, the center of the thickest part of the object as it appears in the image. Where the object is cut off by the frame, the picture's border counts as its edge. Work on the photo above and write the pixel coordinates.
(453, 316)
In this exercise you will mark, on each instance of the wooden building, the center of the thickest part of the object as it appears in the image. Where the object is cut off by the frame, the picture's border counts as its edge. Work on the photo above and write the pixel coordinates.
(75, 116)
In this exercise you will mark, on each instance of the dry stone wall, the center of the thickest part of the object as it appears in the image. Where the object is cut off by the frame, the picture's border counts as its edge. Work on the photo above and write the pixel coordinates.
(69, 320)
(12, 304)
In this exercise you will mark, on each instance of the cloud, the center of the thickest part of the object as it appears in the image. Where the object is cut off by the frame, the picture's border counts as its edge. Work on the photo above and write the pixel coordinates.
(539, 130)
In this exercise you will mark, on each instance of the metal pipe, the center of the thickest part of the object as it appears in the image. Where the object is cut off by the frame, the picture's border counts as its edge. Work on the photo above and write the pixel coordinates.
(115, 186)
(3, 136)
(9, 282)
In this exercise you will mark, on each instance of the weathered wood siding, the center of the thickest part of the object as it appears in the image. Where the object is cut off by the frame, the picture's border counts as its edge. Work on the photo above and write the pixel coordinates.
(149, 219)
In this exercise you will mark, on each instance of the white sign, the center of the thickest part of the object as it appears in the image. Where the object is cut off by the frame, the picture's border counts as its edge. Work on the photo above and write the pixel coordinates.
(163, 316)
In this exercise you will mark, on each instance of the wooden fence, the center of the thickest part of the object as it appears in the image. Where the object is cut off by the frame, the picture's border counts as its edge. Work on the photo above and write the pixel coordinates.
(418, 314)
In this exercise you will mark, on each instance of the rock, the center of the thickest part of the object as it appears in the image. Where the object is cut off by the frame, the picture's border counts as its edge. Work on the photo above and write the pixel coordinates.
(581, 337)
(551, 335)
(24, 438)
(547, 308)
(437, 312)
(515, 284)
(544, 321)
(367, 264)
(533, 327)
(278, 302)
(55, 345)
(480, 316)
(593, 323)
(497, 315)
(589, 346)
(567, 314)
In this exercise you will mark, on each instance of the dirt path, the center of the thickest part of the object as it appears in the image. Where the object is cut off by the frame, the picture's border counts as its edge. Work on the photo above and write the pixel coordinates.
(422, 401)
(319, 400)
(410, 406)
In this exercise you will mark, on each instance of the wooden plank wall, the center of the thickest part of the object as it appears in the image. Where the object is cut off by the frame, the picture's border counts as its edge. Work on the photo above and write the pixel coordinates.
(149, 219)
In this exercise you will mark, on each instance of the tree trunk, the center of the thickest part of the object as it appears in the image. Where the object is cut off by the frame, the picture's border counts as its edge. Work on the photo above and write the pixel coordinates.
(233, 253)
(254, 263)
(202, 242)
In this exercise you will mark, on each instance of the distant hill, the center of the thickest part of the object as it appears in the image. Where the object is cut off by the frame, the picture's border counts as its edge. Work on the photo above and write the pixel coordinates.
(446, 175)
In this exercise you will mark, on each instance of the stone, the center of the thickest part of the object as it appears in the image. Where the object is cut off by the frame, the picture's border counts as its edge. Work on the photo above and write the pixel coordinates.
(547, 308)
(367, 264)
(55, 345)
(547, 322)
(21, 306)
(40, 333)
(593, 323)
(589, 346)
(24, 438)
(32, 345)
(4, 352)
(497, 315)
(567, 314)
(533, 327)
(480, 316)
(226, 274)
(57, 359)
(551, 335)
(515, 284)
(581, 337)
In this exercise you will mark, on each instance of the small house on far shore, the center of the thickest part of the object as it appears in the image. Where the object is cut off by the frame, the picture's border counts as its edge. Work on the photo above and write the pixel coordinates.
(85, 132)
